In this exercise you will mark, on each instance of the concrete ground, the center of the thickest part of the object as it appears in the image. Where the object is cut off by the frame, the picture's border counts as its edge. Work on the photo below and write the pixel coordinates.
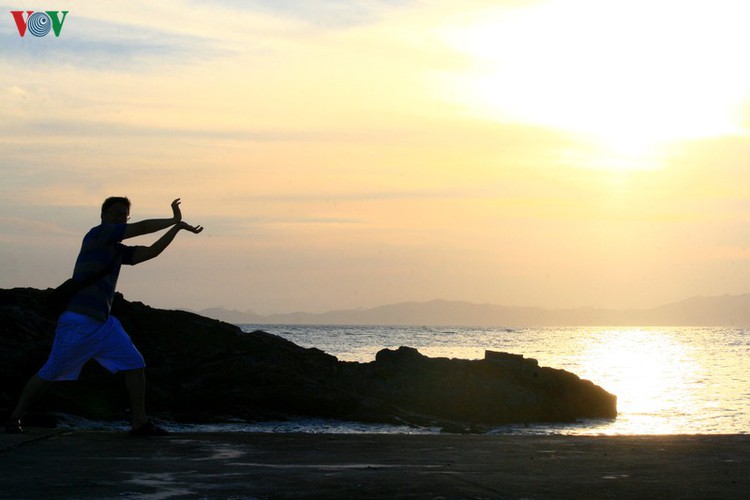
(97, 464)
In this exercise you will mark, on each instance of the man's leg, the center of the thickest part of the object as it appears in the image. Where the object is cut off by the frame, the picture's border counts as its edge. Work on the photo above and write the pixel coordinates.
(33, 389)
(135, 381)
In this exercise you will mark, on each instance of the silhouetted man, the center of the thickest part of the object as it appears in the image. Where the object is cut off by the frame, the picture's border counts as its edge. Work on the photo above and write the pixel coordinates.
(87, 330)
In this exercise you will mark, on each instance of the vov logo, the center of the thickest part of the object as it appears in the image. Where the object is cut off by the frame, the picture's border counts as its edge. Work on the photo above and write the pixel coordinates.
(39, 23)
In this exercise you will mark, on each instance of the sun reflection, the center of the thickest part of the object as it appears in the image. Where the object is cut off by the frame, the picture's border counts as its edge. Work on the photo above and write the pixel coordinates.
(650, 371)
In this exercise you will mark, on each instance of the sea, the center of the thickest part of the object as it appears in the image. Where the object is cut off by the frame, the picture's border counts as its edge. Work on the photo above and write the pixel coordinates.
(667, 380)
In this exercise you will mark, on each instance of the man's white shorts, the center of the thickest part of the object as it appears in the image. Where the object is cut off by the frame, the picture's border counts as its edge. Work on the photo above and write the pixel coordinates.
(79, 338)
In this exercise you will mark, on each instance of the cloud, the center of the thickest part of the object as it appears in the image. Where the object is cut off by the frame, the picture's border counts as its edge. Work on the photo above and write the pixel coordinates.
(74, 127)
(323, 13)
(26, 225)
(104, 45)
(146, 37)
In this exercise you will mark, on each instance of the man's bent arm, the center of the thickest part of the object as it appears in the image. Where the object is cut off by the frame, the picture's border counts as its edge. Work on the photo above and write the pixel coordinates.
(149, 226)
(142, 254)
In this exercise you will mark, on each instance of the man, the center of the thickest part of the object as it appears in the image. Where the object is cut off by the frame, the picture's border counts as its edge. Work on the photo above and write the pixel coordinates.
(87, 330)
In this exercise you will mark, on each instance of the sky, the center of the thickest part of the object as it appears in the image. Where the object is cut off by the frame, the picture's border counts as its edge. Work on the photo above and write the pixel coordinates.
(340, 155)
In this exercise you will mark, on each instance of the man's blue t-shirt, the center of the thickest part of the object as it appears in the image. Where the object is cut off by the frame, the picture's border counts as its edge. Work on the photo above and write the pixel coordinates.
(100, 247)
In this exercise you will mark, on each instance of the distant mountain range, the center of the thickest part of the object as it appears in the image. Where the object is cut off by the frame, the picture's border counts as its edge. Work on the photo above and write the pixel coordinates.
(727, 310)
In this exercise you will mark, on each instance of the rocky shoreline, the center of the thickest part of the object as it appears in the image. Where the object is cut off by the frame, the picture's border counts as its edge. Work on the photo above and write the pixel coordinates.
(203, 370)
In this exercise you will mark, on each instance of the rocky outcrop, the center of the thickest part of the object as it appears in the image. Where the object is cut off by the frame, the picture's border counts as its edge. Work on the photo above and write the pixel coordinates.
(200, 369)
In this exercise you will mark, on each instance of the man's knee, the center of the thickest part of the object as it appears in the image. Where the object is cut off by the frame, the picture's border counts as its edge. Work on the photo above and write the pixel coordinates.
(134, 372)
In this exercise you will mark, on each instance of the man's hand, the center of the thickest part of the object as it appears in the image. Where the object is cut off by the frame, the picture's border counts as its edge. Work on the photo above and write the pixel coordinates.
(176, 212)
(187, 227)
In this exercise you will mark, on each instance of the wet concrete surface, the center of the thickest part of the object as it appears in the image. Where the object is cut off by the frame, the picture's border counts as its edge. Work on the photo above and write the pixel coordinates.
(104, 464)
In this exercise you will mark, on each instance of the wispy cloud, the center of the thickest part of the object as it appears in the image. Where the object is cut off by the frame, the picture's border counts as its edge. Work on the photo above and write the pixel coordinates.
(105, 45)
(73, 127)
(146, 37)
(324, 13)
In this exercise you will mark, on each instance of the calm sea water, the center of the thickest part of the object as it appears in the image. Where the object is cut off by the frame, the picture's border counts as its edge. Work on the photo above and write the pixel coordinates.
(667, 380)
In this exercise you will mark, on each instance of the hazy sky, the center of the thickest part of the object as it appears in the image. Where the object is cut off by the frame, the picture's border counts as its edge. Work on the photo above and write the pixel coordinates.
(353, 154)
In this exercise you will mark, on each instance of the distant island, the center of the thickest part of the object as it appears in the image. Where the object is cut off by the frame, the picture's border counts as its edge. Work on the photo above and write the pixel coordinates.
(726, 310)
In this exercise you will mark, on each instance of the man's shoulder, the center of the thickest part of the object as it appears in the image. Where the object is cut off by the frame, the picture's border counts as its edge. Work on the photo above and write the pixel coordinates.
(109, 233)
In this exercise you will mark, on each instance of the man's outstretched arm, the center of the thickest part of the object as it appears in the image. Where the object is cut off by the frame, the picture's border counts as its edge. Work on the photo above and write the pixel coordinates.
(149, 226)
(142, 254)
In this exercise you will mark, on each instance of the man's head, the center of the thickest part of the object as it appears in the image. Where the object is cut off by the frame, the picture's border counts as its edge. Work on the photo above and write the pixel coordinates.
(115, 210)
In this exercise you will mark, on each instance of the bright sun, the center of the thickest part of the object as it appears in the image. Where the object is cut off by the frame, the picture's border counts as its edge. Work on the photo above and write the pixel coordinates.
(631, 78)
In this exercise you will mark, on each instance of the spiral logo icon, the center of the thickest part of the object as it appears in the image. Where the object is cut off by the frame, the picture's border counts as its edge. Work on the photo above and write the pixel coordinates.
(39, 24)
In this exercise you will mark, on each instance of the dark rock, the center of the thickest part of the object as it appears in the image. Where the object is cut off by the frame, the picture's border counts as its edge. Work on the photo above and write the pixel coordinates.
(200, 369)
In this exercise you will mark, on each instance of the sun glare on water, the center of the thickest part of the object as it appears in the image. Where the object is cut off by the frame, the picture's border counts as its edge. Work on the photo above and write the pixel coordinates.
(651, 373)
(629, 79)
